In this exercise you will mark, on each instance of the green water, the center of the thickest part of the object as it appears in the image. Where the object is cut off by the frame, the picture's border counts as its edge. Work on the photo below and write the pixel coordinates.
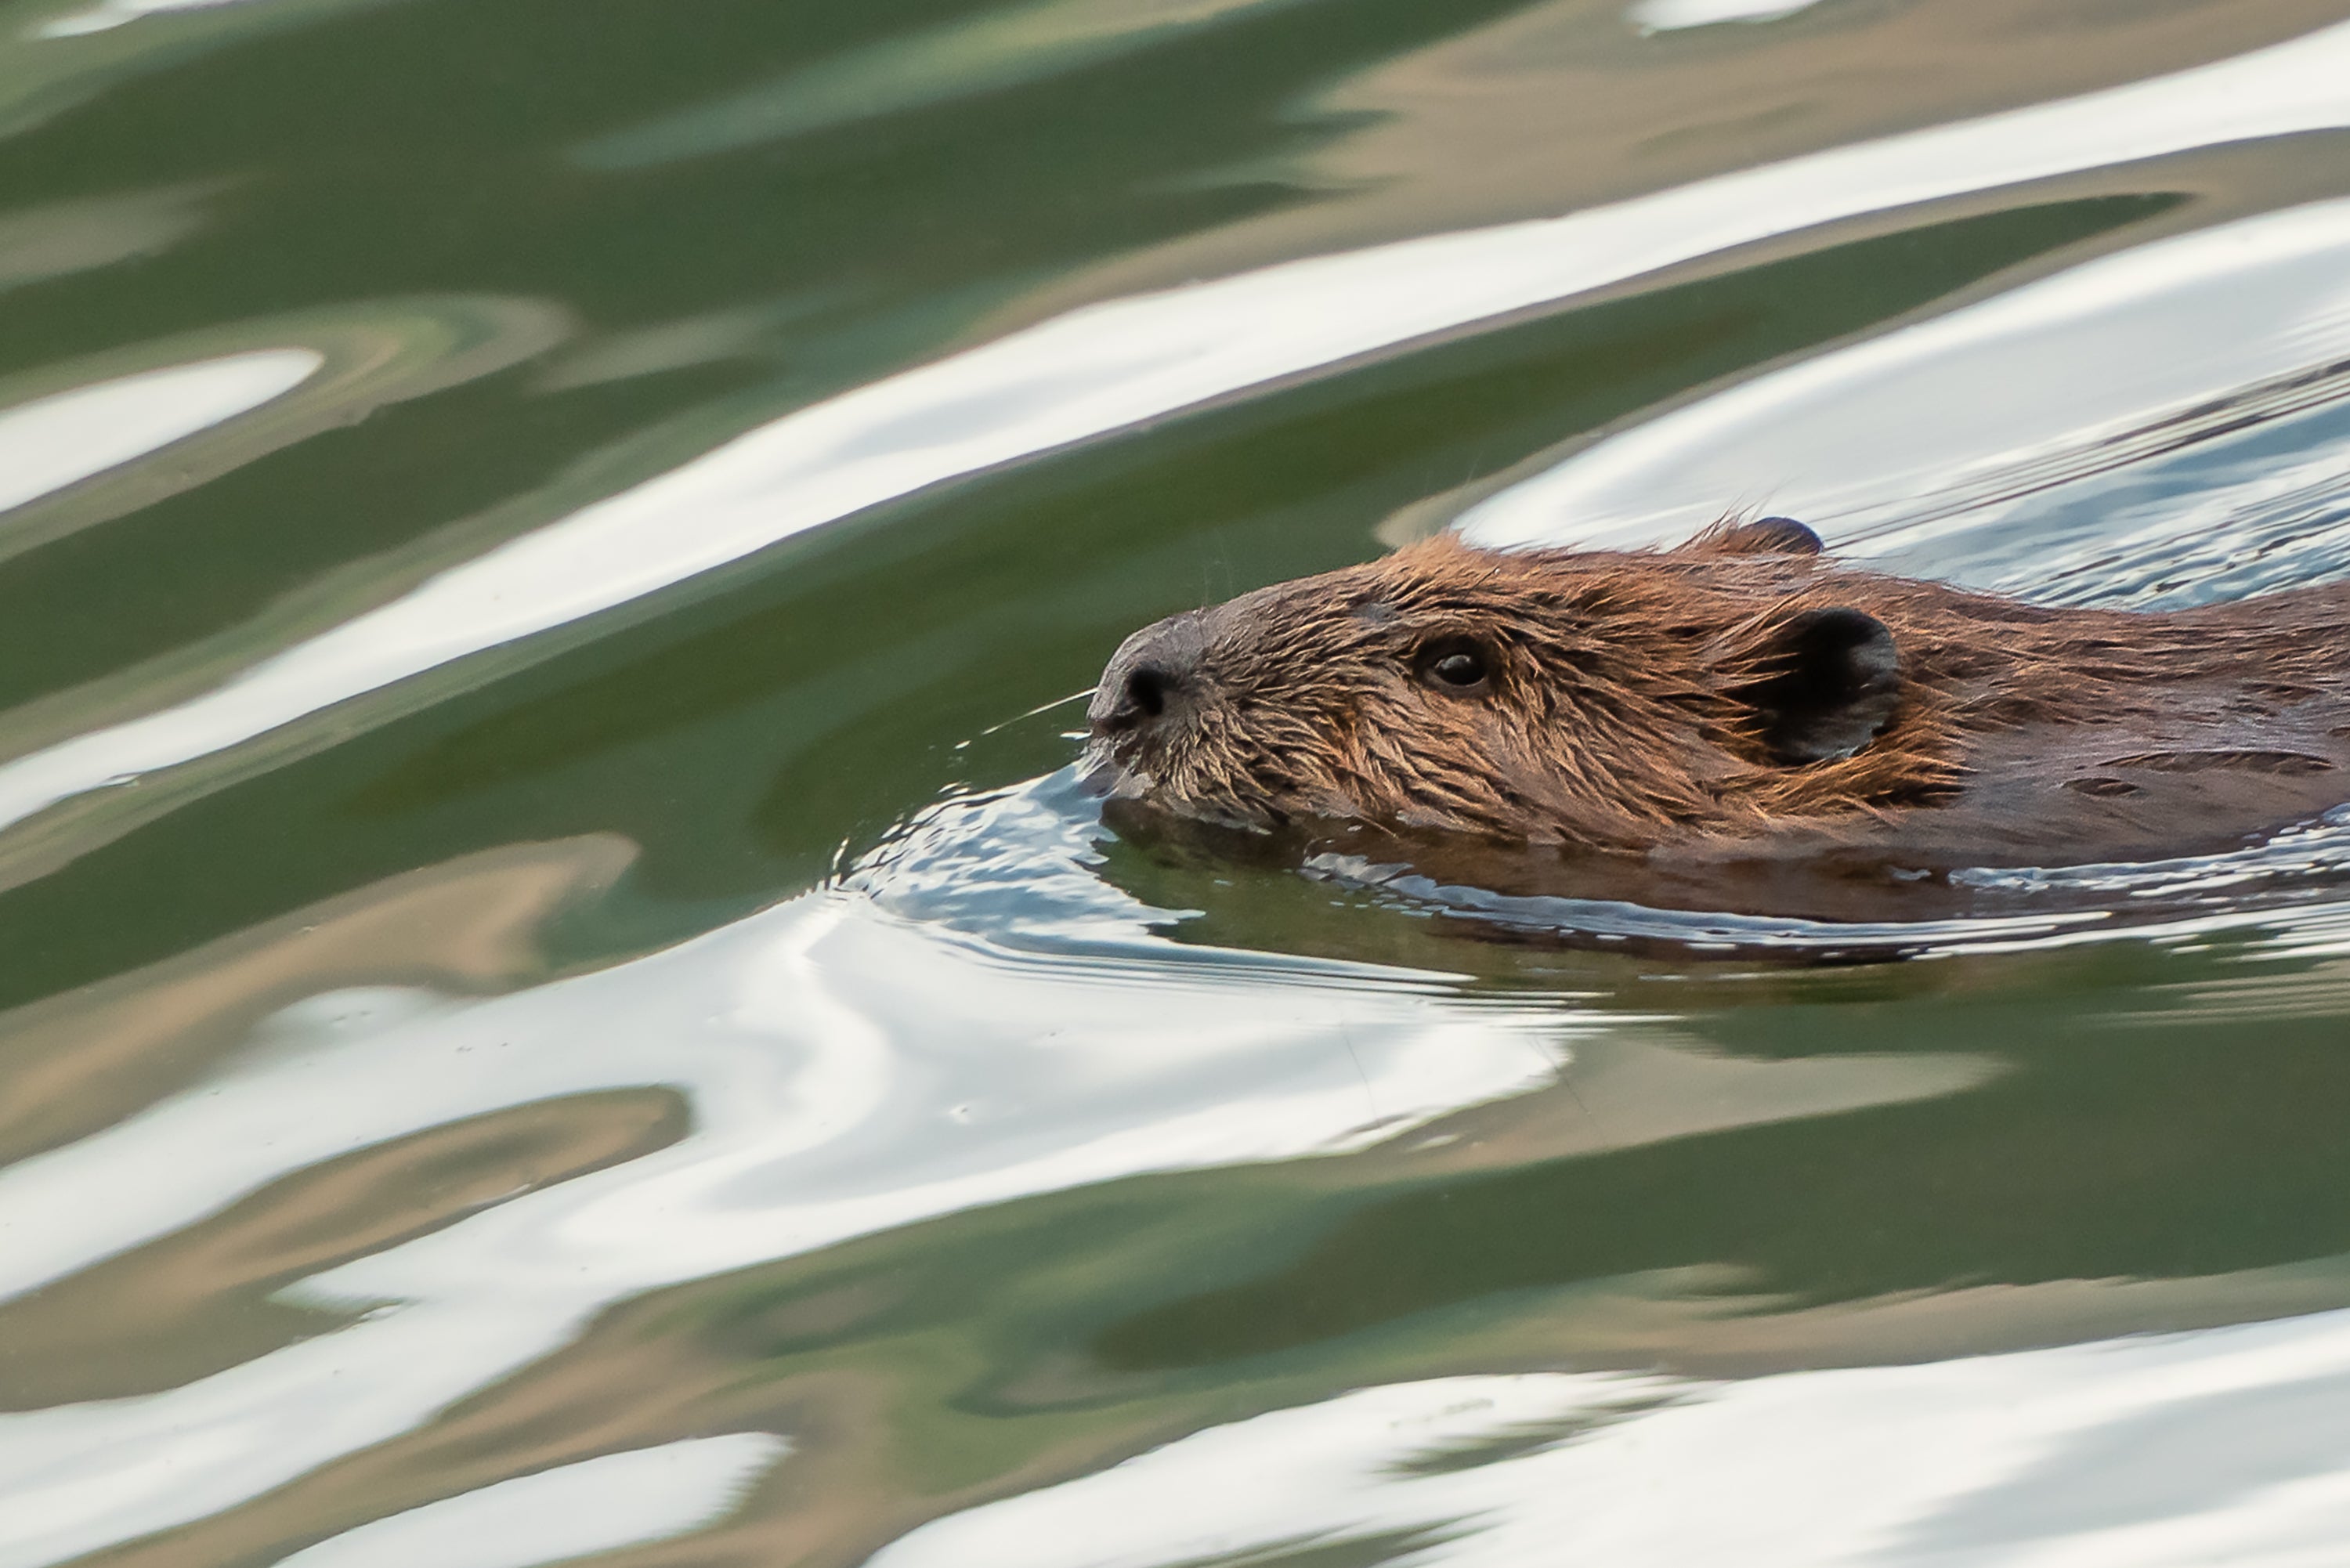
(547, 256)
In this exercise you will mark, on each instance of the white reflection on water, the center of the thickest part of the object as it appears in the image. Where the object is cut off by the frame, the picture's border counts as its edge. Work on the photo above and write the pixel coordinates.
(1112, 366)
(849, 1069)
(110, 13)
(97, 437)
(1983, 410)
(1670, 15)
(2226, 1446)
(596, 1505)
(53, 442)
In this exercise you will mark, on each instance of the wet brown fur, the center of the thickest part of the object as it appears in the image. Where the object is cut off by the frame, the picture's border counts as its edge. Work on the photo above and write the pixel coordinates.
(1616, 712)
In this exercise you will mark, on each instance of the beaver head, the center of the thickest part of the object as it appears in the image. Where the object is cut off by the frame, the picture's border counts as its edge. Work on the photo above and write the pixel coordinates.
(1610, 699)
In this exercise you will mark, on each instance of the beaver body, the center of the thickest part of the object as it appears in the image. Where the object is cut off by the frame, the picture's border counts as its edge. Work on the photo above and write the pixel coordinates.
(1743, 698)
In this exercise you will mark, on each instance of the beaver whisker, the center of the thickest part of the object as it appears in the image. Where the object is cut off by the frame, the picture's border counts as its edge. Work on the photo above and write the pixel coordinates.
(1079, 696)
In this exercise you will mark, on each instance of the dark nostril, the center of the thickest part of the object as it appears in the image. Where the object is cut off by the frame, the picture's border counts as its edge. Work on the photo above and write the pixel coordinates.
(1151, 677)
(1146, 691)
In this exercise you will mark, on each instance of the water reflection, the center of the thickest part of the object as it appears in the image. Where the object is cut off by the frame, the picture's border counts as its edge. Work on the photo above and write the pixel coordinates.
(62, 52)
(75, 1063)
(73, 436)
(983, 53)
(1671, 16)
(2229, 1445)
(1972, 424)
(1468, 129)
(53, 442)
(2287, 887)
(596, 1505)
(108, 14)
(60, 238)
(826, 1105)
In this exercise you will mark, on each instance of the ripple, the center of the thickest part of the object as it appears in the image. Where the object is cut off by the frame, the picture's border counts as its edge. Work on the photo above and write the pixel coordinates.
(76, 49)
(57, 239)
(1959, 428)
(2226, 1445)
(53, 442)
(86, 442)
(596, 1505)
(110, 13)
(849, 1069)
(2286, 892)
(985, 53)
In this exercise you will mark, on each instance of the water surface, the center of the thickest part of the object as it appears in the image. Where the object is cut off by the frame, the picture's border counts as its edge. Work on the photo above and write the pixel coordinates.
(558, 1001)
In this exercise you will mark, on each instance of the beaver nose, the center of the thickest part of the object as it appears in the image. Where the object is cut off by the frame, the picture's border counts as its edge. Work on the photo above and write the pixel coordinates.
(1150, 675)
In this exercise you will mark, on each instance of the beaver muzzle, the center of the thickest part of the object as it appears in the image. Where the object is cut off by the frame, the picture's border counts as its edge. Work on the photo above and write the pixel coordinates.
(1149, 690)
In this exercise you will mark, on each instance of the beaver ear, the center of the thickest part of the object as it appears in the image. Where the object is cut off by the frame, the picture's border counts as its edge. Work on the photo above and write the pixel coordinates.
(1835, 677)
(1764, 537)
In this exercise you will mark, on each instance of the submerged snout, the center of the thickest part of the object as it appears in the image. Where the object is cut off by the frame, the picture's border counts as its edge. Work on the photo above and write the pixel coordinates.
(1152, 679)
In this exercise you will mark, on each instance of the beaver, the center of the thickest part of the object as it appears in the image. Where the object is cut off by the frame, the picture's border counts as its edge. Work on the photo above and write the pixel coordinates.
(1742, 696)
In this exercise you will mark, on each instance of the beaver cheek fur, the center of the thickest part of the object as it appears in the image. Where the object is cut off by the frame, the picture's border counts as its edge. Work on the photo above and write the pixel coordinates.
(1742, 695)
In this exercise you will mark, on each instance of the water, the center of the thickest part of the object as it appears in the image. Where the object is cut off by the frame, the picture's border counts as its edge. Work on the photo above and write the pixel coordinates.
(558, 1001)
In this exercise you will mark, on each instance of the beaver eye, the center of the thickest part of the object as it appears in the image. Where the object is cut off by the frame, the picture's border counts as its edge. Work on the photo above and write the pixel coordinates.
(1453, 666)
